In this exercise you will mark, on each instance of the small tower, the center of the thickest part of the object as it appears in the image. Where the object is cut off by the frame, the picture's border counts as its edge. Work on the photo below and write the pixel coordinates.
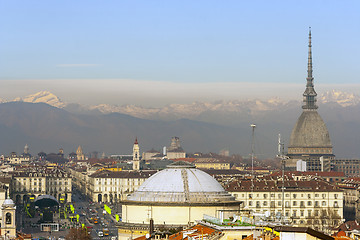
(136, 156)
(175, 143)
(8, 227)
(79, 154)
(26, 149)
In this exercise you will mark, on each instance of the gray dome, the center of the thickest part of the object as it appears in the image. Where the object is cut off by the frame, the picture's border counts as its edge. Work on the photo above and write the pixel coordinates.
(181, 183)
(310, 131)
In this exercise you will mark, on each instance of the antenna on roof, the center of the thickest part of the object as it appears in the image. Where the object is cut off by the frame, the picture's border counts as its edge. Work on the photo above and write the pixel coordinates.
(282, 156)
(253, 126)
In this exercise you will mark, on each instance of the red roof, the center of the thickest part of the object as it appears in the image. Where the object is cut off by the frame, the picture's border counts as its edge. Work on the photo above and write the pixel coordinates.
(140, 238)
(198, 231)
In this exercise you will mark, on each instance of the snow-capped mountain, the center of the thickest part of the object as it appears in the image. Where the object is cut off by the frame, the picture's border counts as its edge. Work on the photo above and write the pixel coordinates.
(342, 98)
(203, 126)
(192, 110)
(42, 97)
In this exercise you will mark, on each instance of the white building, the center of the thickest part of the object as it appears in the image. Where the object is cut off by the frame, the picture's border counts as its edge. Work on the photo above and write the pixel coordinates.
(177, 195)
(314, 203)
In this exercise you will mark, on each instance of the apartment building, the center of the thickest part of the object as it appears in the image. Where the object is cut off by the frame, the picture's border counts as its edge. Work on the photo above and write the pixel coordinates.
(33, 181)
(314, 203)
(114, 186)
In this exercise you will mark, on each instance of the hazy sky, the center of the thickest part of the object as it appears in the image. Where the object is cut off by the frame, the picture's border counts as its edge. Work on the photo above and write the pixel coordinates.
(172, 51)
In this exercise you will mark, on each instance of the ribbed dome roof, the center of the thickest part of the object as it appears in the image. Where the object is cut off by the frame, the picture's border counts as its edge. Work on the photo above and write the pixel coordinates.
(8, 203)
(310, 131)
(181, 183)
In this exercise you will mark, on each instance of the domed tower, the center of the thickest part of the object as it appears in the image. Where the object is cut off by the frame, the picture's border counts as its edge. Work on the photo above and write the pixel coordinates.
(8, 226)
(79, 153)
(310, 140)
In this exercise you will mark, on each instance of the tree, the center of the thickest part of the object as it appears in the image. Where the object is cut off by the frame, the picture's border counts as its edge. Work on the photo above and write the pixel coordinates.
(324, 220)
(78, 234)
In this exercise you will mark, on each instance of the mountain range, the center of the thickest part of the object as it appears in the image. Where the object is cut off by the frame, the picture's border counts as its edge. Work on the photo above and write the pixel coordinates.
(46, 123)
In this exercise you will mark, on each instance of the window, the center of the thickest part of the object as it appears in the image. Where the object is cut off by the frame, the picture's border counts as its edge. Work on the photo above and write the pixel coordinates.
(265, 203)
(335, 196)
(302, 204)
(250, 196)
(8, 218)
(309, 213)
(309, 196)
(287, 204)
(250, 203)
(279, 203)
(336, 204)
(302, 213)
(265, 195)
(323, 203)
(316, 195)
(294, 195)
(257, 204)
(294, 213)
(294, 203)
(323, 195)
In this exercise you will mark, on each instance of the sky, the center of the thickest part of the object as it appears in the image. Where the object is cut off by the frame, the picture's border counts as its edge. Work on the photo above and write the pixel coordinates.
(153, 52)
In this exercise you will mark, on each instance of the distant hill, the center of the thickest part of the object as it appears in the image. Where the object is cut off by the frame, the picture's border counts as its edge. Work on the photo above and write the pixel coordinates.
(201, 126)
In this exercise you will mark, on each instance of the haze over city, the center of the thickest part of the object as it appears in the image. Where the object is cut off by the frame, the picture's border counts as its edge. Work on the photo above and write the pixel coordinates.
(159, 52)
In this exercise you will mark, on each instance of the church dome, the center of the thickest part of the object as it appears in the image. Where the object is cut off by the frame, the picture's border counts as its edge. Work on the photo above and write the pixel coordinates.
(310, 131)
(8, 203)
(181, 183)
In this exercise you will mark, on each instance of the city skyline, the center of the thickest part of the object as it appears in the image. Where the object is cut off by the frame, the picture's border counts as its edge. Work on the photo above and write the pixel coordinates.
(203, 50)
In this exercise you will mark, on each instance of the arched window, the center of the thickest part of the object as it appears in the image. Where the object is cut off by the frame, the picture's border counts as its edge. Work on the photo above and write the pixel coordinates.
(8, 218)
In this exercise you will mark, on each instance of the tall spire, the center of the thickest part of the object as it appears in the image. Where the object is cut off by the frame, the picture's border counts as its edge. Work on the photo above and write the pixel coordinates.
(309, 94)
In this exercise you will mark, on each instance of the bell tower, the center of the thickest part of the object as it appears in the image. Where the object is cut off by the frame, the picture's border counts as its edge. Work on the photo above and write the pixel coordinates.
(8, 227)
(136, 156)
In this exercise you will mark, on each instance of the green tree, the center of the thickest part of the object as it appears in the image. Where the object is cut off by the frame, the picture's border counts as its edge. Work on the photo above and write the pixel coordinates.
(78, 234)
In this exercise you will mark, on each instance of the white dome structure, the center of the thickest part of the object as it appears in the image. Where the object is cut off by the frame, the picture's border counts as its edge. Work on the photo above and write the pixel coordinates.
(181, 182)
(8, 203)
(178, 195)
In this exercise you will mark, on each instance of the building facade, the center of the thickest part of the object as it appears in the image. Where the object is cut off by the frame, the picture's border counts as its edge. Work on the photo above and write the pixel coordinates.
(303, 203)
(113, 186)
(38, 180)
(212, 163)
